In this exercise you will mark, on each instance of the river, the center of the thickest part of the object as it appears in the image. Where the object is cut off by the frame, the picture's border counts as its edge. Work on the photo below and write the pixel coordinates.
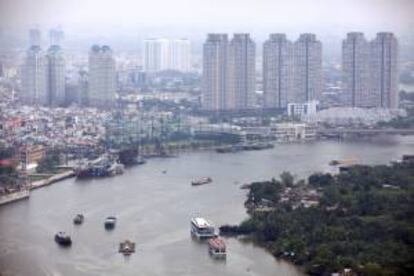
(154, 209)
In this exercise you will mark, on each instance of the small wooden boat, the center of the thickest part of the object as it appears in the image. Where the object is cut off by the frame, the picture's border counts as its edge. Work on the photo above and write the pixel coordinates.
(78, 219)
(63, 239)
(201, 181)
(110, 222)
(127, 247)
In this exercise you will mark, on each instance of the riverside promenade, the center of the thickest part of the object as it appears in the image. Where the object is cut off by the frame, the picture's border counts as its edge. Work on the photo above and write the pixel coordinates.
(53, 179)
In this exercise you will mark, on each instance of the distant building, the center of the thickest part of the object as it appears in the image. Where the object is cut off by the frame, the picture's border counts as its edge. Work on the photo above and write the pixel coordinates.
(229, 76)
(56, 36)
(308, 68)
(356, 71)
(34, 78)
(180, 55)
(241, 76)
(384, 70)
(35, 37)
(301, 109)
(101, 76)
(56, 71)
(289, 132)
(215, 72)
(137, 78)
(83, 88)
(30, 155)
(167, 54)
(277, 71)
(155, 54)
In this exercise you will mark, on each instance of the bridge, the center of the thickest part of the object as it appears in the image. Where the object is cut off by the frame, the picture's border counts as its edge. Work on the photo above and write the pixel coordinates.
(338, 132)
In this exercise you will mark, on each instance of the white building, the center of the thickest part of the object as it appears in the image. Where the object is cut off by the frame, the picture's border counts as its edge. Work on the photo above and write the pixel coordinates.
(290, 132)
(344, 116)
(167, 54)
(301, 109)
(277, 71)
(180, 55)
(307, 68)
(101, 76)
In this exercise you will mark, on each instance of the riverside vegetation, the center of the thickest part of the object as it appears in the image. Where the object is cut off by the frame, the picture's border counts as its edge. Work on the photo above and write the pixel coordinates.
(361, 220)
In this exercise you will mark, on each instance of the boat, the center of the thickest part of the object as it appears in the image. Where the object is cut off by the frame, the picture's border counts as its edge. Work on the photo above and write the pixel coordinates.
(201, 228)
(115, 169)
(257, 146)
(11, 195)
(103, 166)
(217, 248)
(229, 149)
(110, 222)
(245, 186)
(78, 219)
(350, 161)
(127, 247)
(201, 181)
(63, 239)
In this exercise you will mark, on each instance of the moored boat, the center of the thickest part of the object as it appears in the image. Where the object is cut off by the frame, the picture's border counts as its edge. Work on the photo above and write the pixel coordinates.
(201, 228)
(201, 181)
(110, 222)
(350, 161)
(63, 239)
(78, 219)
(217, 248)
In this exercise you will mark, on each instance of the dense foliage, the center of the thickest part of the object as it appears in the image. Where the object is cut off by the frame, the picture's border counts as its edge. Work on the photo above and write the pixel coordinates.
(364, 221)
(8, 173)
(49, 163)
(400, 122)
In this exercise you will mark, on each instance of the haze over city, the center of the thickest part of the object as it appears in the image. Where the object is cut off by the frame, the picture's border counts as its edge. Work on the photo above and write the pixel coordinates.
(206, 137)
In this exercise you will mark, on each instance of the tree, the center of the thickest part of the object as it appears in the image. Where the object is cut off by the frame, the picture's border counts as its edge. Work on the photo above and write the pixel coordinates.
(287, 179)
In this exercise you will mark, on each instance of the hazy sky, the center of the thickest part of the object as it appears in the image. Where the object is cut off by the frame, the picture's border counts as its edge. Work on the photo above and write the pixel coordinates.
(237, 15)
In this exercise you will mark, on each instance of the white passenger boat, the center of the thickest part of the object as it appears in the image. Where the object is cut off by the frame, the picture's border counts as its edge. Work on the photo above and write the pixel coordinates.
(201, 228)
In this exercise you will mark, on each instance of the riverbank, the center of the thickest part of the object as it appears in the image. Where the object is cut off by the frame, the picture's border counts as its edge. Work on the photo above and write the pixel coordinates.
(358, 221)
(53, 179)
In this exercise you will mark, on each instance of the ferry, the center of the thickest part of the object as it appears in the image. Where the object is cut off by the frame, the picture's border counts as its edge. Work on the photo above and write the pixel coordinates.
(78, 219)
(13, 195)
(201, 181)
(63, 239)
(110, 223)
(217, 248)
(201, 228)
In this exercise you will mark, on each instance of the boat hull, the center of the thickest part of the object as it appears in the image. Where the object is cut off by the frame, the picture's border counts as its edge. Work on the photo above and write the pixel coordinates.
(63, 241)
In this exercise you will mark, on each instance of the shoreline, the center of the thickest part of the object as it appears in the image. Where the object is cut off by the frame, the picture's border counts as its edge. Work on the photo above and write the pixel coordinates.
(53, 179)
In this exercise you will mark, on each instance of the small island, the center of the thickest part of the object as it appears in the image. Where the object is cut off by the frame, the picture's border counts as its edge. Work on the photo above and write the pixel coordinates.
(359, 221)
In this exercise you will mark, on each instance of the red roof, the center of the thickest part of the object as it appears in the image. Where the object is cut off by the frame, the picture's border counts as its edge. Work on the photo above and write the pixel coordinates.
(216, 243)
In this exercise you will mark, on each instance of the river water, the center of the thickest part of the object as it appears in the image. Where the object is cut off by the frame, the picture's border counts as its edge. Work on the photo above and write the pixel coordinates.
(154, 209)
